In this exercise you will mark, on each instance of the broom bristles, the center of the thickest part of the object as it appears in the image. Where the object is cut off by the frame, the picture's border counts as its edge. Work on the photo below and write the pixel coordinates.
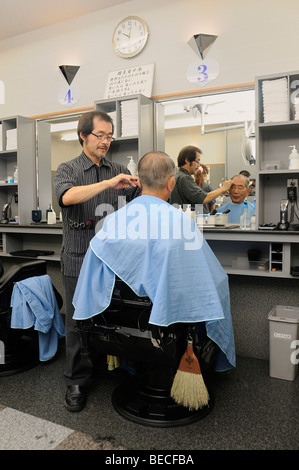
(188, 388)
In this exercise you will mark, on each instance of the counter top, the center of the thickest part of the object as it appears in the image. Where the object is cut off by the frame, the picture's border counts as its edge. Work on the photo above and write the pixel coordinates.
(233, 229)
(57, 225)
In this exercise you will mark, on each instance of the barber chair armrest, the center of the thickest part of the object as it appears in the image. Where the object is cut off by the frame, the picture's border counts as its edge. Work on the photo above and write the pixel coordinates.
(18, 272)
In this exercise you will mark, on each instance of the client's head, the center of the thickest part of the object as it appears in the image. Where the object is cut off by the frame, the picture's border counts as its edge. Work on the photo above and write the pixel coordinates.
(239, 190)
(156, 172)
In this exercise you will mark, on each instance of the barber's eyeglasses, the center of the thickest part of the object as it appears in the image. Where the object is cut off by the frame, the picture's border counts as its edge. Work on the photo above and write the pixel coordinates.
(102, 137)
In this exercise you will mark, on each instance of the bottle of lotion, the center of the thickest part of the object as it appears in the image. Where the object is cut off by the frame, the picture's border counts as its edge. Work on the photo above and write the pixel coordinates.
(132, 166)
(293, 158)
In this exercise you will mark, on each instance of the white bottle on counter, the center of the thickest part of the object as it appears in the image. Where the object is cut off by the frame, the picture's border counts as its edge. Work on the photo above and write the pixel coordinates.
(189, 212)
(245, 219)
(132, 166)
(51, 216)
(293, 158)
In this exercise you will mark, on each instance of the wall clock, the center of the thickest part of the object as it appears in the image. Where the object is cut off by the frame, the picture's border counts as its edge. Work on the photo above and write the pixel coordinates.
(130, 36)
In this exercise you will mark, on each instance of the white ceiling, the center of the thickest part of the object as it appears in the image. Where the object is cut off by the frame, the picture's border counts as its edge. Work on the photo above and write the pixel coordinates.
(21, 16)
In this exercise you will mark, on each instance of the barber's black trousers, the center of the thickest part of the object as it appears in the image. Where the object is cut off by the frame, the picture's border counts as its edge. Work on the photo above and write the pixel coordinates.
(79, 369)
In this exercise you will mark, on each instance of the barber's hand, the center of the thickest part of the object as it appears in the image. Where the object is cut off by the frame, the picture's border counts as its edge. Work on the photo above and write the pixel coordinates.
(226, 185)
(123, 181)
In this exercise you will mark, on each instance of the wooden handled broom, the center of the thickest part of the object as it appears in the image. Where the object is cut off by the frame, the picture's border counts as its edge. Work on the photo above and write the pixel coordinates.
(188, 388)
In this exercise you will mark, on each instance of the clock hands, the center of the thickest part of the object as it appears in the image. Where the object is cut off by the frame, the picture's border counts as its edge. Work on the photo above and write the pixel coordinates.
(128, 35)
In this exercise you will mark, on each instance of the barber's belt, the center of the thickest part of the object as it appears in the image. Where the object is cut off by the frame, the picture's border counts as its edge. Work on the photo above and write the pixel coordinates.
(88, 225)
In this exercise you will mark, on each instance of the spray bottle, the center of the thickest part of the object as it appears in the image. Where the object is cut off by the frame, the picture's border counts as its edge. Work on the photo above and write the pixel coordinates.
(132, 166)
(245, 219)
(293, 158)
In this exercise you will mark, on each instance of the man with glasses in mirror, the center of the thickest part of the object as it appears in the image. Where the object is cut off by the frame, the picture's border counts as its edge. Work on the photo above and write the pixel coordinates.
(186, 191)
(86, 187)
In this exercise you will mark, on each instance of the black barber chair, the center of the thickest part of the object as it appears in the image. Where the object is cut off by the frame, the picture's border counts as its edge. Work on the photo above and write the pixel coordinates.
(20, 346)
(123, 330)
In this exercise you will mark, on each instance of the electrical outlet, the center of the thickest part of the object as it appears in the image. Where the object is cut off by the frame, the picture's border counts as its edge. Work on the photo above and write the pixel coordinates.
(292, 183)
(292, 189)
(292, 193)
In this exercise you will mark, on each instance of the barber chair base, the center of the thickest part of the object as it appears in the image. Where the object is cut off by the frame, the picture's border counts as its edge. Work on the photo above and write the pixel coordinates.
(151, 405)
(25, 357)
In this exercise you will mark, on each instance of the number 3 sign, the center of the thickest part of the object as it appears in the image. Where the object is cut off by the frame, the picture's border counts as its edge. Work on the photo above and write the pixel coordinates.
(203, 72)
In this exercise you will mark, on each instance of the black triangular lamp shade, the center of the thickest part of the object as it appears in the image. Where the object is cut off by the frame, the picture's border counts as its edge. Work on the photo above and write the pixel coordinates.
(69, 72)
(202, 43)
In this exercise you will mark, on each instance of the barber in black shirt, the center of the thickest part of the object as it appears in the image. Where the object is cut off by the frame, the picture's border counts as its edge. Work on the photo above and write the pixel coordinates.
(85, 187)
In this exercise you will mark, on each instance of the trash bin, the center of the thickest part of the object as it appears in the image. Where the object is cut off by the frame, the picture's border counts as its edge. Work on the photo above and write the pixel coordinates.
(283, 330)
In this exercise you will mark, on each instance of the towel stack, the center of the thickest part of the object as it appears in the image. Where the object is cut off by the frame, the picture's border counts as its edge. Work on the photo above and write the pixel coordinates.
(11, 139)
(129, 117)
(275, 100)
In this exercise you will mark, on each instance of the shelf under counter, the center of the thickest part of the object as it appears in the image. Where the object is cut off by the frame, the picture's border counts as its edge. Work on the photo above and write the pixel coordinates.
(26, 237)
(281, 248)
(230, 244)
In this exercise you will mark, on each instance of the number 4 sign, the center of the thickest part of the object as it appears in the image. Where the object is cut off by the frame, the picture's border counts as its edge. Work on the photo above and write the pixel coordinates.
(203, 72)
(69, 95)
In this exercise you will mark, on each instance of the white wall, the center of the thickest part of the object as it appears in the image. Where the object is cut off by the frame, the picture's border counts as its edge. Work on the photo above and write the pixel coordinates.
(213, 146)
(63, 152)
(254, 38)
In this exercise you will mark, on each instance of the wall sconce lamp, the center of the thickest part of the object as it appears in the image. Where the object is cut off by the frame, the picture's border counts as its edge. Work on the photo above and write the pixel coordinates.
(201, 43)
(69, 72)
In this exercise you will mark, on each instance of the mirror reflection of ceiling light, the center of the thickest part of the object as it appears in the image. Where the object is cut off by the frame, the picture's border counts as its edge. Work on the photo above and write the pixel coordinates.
(220, 109)
(69, 136)
(64, 126)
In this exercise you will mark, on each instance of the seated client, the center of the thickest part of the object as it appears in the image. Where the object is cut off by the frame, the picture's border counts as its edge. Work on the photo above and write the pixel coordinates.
(238, 192)
(159, 252)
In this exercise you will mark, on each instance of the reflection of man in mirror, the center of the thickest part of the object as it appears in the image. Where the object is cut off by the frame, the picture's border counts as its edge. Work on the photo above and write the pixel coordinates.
(238, 191)
(186, 191)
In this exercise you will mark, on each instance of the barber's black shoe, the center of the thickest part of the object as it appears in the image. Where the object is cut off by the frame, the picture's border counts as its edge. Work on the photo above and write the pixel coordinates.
(75, 398)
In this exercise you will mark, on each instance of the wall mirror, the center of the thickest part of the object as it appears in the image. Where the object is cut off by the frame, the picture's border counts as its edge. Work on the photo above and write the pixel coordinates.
(221, 124)
(57, 142)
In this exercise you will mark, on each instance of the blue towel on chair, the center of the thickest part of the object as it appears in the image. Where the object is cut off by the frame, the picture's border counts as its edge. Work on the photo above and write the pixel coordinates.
(169, 262)
(34, 303)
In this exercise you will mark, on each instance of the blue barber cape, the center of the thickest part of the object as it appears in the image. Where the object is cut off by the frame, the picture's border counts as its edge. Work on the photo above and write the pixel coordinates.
(158, 252)
(236, 210)
(34, 303)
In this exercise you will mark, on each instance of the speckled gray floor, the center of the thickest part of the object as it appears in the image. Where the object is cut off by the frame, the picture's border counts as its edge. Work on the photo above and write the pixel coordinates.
(252, 411)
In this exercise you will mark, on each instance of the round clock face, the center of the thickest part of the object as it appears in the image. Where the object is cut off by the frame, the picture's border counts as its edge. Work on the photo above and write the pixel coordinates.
(130, 37)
